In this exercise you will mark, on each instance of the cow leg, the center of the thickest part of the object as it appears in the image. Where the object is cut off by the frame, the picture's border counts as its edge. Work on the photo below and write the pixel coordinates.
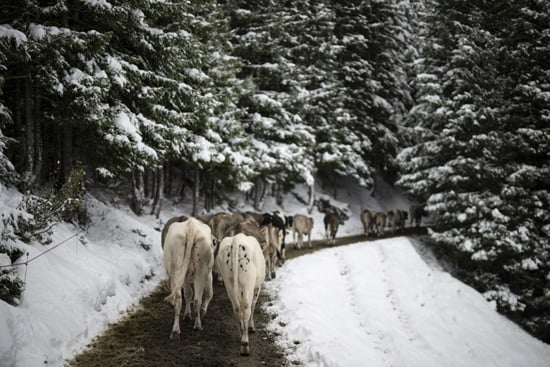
(267, 259)
(208, 294)
(199, 292)
(251, 326)
(272, 265)
(188, 294)
(244, 317)
(177, 306)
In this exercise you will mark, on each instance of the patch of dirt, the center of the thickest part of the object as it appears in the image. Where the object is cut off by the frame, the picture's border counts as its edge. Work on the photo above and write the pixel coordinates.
(143, 337)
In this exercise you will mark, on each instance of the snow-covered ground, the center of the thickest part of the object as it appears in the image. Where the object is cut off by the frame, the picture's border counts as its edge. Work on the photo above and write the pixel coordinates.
(381, 304)
(76, 290)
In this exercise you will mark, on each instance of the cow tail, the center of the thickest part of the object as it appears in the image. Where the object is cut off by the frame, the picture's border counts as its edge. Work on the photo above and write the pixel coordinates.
(180, 276)
(235, 265)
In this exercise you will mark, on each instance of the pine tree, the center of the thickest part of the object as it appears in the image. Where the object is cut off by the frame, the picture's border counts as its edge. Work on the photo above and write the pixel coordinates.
(280, 138)
(54, 87)
(479, 157)
(10, 41)
(374, 38)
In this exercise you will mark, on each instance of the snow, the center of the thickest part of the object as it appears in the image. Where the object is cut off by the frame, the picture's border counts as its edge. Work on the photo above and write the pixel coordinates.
(381, 304)
(377, 303)
(6, 31)
(75, 291)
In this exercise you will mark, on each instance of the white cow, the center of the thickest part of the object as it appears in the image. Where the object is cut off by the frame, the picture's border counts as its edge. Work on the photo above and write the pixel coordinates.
(188, 259)
(301, 225)
(241, 264)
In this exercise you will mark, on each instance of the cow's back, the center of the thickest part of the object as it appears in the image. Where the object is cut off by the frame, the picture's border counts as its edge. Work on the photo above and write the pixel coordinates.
(367, 218)
(178, 219)
(302, 224)
(331, 220)
(247, 227)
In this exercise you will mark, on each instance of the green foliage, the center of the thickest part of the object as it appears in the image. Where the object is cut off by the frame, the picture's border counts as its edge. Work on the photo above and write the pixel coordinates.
(11, 286)
(477, 154)
(41, 213)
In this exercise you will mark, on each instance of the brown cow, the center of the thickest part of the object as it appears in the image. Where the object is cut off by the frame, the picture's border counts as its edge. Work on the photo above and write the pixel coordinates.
(258, 217)
(367, 218)
(301, 225)
(267, 235)
(397, 219)
(272, 251)
(220, 222)
(417, 212)
(332, 221)
(249, 227)
(379, 223)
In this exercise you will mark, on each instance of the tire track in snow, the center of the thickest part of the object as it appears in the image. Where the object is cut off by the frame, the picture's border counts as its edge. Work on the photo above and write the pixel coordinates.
(401, 315)
(381, 341)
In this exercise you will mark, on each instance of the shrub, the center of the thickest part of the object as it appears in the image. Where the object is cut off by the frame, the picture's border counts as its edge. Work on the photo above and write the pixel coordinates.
(11, 286)
(43, 213)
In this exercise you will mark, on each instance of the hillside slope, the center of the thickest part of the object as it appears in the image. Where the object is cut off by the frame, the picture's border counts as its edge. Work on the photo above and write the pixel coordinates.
(381, 304)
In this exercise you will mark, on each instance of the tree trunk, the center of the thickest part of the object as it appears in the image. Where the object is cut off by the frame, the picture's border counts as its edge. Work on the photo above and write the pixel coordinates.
(257, 193)
(168, 179)
(209, 193)
(279, 195)
(137, 191)
(212, 191)
(180, 191)
(158, 178)
(146, 178)
(311, 200)
(67, 158)
(39, 143)
(29, 134)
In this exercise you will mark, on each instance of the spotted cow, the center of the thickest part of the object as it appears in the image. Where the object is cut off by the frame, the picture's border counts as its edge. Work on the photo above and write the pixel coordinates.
(242, 265)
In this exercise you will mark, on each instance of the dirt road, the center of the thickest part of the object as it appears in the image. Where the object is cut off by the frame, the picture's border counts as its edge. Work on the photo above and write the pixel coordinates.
(142, 338)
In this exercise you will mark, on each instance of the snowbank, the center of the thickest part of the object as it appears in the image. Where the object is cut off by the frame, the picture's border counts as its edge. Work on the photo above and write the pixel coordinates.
(74, 291)
(380, 304)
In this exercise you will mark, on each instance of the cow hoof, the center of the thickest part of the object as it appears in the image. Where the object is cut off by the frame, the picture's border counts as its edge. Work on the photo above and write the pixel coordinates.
(273, 275)
(175, 335)
(245, 350)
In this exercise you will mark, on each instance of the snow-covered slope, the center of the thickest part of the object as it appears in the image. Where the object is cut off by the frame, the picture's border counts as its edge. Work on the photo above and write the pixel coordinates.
(381, 304)
(74, 291)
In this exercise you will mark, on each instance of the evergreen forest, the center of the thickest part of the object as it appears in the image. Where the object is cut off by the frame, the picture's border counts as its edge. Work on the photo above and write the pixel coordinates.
(449, 100)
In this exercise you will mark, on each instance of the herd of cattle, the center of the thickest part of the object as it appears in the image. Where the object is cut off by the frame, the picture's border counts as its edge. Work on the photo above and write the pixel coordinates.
(243, 249)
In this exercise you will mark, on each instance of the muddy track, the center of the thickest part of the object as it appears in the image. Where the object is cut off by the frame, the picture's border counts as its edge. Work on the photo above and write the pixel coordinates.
(142, 337)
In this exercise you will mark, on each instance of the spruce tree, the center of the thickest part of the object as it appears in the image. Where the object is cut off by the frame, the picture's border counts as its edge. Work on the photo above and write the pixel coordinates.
(373, 37)
(480, 147)
(280, 138)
